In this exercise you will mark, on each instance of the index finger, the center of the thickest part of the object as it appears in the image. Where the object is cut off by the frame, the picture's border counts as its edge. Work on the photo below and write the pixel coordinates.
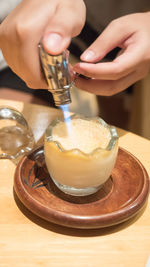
(120, 67)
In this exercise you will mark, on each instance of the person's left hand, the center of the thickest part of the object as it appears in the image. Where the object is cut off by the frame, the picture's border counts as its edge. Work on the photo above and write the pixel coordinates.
(132, 34)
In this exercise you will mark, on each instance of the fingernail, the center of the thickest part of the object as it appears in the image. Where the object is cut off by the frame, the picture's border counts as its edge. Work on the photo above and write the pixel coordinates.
(88, 55)
(53, 42)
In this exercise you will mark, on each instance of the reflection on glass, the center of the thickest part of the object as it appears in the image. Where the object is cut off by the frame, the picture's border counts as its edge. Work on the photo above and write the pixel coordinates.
(16, 137)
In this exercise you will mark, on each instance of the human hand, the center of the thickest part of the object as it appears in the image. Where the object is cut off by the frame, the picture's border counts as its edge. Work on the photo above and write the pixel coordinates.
(55, 22)
(132, 34)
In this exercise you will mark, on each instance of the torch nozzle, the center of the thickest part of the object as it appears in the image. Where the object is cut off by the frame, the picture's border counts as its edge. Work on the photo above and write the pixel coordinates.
(57, 75)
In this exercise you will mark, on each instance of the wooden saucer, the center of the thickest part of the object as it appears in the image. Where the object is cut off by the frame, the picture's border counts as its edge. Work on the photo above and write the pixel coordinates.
(120, 198)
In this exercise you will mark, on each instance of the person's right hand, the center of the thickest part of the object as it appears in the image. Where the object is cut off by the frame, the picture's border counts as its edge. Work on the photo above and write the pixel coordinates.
(132, 34)
(55, 22)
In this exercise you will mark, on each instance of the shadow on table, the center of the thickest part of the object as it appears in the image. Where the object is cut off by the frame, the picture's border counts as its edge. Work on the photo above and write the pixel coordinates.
(75, 232)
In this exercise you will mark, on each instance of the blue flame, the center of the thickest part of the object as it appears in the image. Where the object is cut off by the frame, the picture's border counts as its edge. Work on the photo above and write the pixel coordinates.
(67, 118)
(65, 110)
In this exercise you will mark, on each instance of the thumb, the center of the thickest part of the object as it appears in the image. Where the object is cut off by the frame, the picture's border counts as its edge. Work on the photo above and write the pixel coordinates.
(114, 35)
(65, 24)
(55, 42)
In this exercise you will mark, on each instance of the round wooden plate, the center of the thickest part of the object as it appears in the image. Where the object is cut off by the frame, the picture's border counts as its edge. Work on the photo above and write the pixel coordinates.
(120, 198)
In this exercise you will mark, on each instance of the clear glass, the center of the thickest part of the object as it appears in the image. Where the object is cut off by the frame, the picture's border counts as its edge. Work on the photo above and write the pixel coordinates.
(74, 171)
(16, 137)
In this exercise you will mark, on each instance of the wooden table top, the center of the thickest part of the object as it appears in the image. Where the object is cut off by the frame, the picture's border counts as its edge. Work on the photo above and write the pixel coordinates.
(27, 240)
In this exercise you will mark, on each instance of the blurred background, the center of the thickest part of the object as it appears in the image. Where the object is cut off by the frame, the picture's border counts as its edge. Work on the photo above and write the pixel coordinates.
(129, 110)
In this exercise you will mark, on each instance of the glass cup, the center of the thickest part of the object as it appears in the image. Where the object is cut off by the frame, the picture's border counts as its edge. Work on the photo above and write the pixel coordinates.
(74, 171)
(16, 137)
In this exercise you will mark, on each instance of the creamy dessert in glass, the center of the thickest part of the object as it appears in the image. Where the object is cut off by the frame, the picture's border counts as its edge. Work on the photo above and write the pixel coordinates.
(80, 154)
